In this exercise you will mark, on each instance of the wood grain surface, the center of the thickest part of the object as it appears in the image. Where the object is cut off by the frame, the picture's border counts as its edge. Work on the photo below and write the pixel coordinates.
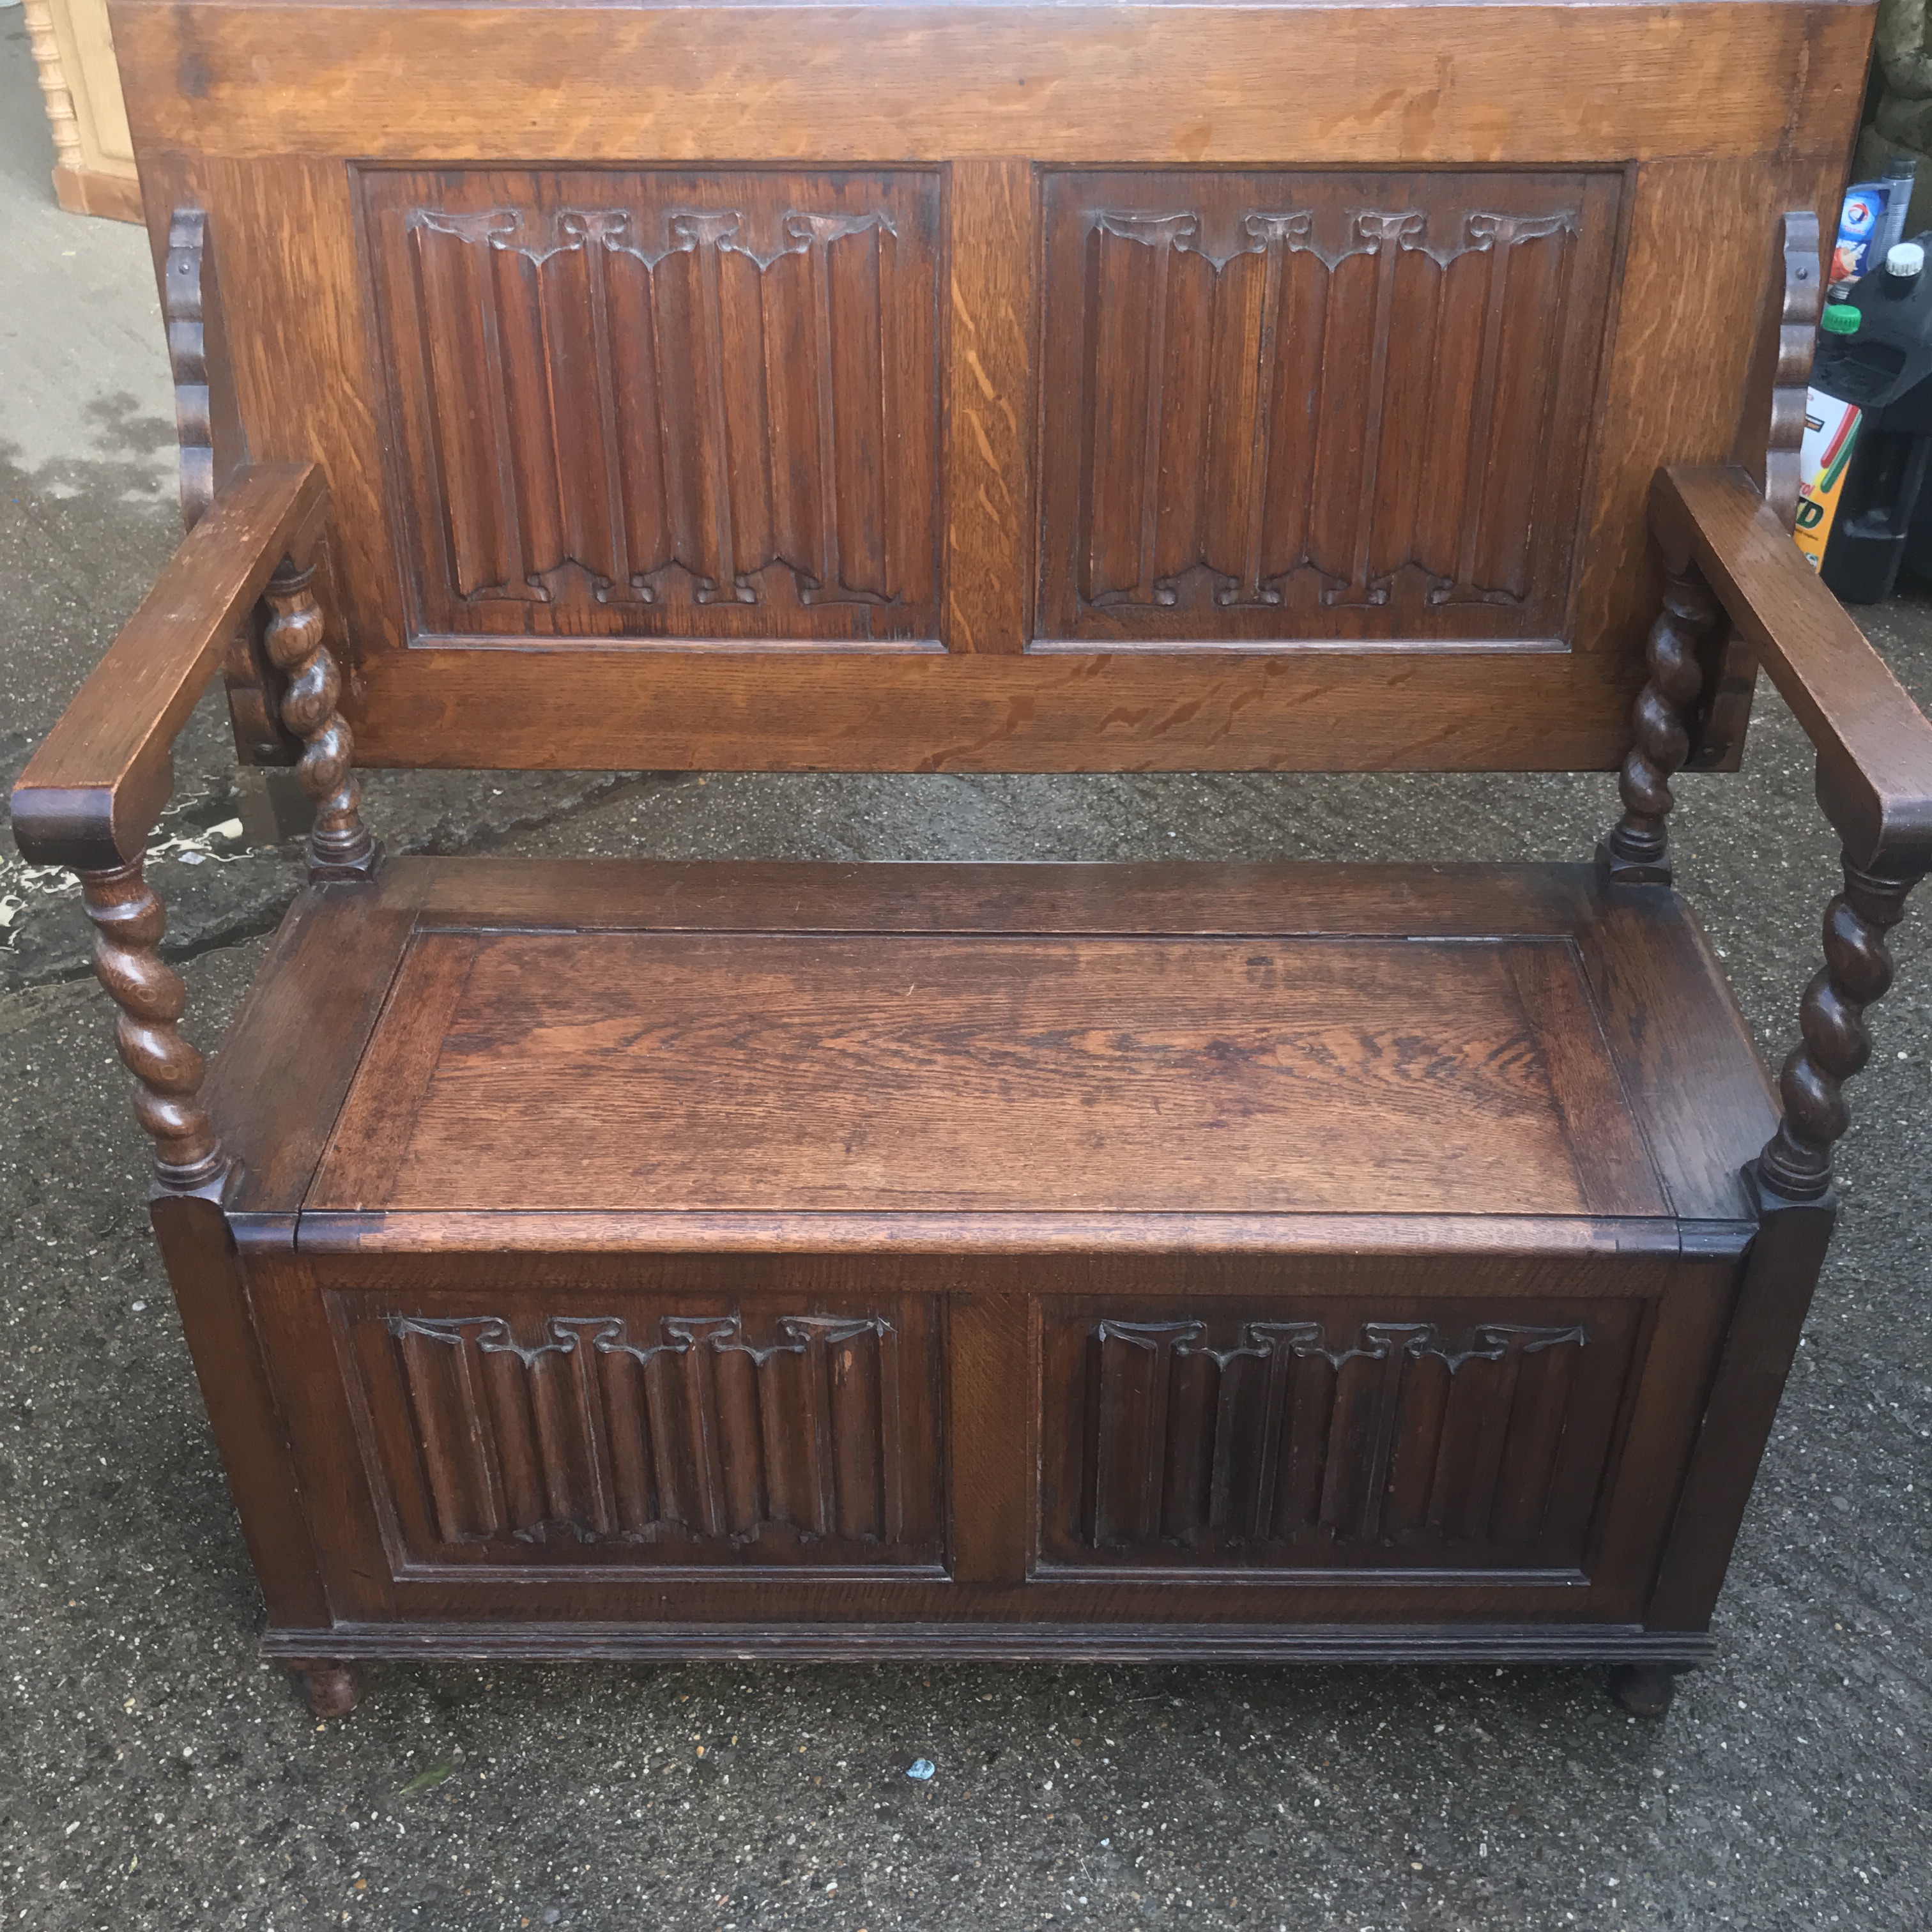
(1874, 745)
(299, 139)
(785, 1073)
(1655, 1040)
(1144, 1260)
(866, 83)
(92, 792)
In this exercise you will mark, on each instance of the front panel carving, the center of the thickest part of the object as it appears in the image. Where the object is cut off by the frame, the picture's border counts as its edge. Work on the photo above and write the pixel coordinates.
(604, 1437)
(1321, 1439)
(1318, 407)
(664, 404)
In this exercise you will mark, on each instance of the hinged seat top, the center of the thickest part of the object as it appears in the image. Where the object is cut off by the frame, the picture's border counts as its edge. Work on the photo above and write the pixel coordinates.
(1201, 1054)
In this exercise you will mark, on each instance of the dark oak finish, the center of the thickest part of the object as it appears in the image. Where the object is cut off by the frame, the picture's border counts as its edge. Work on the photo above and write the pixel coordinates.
(340, 844)
(1077, 84)
(1760, 1348)
(333, 1686)
(1771, 427)
(664, 403)
(91, 794)
(210, 1277)
(128, 922)
(975, 661)
(1318, 407)
(1637, 850)
(504, 1415)
(1142, 1262)
(1874, 748)
(1245, 1076)
(1797, 1160)
(207, 424)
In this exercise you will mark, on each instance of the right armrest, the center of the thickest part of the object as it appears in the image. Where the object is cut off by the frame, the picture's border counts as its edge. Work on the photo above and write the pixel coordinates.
(1874, 747)
(90, 795)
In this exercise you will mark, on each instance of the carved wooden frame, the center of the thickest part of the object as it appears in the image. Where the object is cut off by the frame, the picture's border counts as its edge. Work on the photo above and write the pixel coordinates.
(513, 285)
(1350, 313)
(1664, 721)
(214, 443)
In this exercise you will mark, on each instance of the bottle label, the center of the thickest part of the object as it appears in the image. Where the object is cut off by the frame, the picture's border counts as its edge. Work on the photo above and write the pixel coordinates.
(1830, 426)
(1859, 223)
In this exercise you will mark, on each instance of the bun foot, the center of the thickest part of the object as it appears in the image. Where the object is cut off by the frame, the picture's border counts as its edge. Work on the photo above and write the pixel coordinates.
(334, 1687)
(1644, 1690)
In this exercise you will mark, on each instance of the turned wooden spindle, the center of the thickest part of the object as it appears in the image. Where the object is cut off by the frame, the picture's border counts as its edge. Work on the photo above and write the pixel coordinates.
(129, 921)
(1796, 1162)
(340, 846)
(1637, 850)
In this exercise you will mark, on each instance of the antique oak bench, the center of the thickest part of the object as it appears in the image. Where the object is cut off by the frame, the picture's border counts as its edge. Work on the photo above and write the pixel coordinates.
(1151, 1261)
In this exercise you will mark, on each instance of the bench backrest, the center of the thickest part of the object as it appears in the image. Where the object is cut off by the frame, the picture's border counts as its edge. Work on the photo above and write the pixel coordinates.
(1047, 388)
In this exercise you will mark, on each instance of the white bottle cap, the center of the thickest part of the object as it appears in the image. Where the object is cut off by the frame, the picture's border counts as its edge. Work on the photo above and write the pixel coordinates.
(1904, 258)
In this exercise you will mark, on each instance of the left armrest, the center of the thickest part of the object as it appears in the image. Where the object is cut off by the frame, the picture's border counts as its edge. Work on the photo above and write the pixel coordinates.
(1874, 746)
(91, 794)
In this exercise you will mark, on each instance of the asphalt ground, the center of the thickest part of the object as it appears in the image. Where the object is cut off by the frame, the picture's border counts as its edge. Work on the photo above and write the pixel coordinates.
(155, 1773)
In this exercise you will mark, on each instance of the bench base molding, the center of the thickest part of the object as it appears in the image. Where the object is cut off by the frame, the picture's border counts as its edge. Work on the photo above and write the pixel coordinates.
(997, 1643)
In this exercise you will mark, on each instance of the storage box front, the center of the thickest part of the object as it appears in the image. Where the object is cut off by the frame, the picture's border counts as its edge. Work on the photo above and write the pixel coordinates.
(717, 1440)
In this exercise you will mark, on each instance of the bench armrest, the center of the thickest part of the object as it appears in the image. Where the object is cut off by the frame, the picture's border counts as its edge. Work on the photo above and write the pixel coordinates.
(91, 793)
(1874, 746)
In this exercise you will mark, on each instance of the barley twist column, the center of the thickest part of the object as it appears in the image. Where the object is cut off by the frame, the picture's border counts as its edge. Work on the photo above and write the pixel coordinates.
(340, 846)
(1637, 850)
(1796, 1162)
(129, 921)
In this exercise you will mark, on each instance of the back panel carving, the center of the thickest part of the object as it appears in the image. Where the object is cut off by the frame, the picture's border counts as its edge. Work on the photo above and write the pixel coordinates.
(664, 404)
(1316, 406)
(1326, 1440)
(617, 1438)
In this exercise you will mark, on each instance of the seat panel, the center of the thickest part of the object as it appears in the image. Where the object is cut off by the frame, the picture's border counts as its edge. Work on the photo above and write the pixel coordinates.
(889, 1073)
(520, 1054)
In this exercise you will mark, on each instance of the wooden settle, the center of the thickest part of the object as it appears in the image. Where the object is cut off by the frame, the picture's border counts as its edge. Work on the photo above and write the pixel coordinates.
(1239, 1262)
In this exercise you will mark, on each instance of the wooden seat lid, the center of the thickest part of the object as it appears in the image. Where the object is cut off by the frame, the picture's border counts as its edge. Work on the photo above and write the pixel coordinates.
(912, 1073)
(1154, 1043)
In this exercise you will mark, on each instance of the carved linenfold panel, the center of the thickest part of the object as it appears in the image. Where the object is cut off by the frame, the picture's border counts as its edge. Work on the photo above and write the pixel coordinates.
(1318, 407)
(666, 1437)
(660, 404)
(1322, 1442)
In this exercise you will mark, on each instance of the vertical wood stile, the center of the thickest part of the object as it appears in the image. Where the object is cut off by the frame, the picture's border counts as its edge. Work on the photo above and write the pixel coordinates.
(479, 265)
(892, 1435)
(991, 309)
(1544, 1382)
(1385, 233)
(512, 1428)
(662, 1378)
(1283, 1343)
(1275, 231)
(703, 235)
(449, 1428)
(740, 1446)
(1494, 1370)
(589, 1420)
(700, 1338)
(629, 1432)
(821, 1496)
